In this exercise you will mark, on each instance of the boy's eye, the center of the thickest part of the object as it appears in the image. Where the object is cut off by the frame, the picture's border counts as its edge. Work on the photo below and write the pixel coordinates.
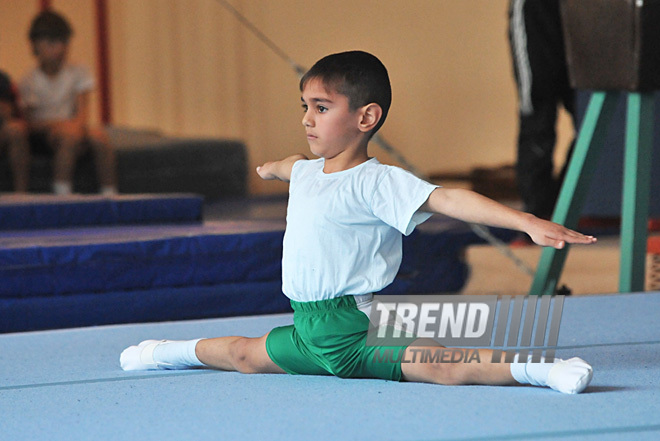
(319, 108)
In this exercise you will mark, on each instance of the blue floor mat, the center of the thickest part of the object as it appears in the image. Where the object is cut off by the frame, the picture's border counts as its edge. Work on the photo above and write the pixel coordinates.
(67, 385)
(31, 211)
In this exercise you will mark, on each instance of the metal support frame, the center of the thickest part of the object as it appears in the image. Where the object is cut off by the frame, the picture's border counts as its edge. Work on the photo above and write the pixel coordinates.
(637, 175)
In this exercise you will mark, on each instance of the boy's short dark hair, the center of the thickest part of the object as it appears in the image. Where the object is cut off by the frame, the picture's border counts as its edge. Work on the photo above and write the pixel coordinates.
(358, 75)
(50, 25)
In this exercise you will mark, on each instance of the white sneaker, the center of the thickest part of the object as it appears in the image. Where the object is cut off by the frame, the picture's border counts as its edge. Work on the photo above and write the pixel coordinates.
(570, 376)
(140, 357)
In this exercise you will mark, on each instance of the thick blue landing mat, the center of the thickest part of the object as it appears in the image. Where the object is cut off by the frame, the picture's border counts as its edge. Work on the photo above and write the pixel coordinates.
(135, 273)
(75, 260)
(67, 385)
(104, 275)
(30, 212)
(105, 259)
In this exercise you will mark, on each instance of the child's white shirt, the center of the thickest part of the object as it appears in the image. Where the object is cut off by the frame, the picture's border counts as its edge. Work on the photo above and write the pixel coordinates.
(52, 98)
(344, 229)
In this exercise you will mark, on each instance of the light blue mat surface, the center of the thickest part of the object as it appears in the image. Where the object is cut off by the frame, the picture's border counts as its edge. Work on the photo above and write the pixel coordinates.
(67, 385)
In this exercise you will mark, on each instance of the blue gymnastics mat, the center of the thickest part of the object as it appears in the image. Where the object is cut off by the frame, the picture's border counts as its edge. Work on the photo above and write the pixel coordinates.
(67, 385)
(122, 274)
(72, 277)
(33, 211)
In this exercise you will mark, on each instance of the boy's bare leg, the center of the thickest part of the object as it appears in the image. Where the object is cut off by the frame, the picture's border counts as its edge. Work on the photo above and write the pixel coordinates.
(104, 157)
(567, 376)
(242, 354)
(67, 149)
(475, 372)
(19, 154)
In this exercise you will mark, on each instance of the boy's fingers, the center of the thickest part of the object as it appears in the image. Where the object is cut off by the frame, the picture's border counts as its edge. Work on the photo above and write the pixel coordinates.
(572, 237)
(581, 238)
(554, 242)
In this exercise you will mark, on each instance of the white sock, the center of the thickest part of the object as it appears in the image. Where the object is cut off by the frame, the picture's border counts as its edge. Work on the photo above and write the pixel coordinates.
(566, 376)
(177, 354)
(62, 187)
(109, 190)
(163, 354)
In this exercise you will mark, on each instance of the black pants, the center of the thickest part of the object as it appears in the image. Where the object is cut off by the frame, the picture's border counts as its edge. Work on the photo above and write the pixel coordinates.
(539, 60)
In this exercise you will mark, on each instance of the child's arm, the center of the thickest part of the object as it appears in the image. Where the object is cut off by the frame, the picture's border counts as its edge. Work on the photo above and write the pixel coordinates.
(471, 207)
(5, 111)
(77, 124)
(81, 118)
(74, 126)
(279, 169)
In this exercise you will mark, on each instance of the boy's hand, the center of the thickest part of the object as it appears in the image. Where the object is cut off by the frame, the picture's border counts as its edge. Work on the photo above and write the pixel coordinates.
(68, 128)
(550, 234)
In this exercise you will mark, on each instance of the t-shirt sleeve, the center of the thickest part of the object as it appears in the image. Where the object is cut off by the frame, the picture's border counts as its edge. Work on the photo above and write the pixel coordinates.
(397, 198)
(84, 80)
(26, 91)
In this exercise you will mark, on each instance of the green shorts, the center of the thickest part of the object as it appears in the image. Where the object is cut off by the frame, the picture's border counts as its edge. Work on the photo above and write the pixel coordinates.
(329, 337)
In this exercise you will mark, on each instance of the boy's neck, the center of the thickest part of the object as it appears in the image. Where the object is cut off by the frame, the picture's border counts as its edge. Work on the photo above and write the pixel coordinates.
(346, 160)
(51, 69)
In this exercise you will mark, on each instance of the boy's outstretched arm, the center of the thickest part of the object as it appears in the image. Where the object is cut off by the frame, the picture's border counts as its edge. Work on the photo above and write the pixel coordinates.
(279, 169)
(472, 207)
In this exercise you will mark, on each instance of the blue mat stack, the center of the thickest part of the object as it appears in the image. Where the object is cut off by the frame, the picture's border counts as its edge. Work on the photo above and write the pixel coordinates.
(90, 260)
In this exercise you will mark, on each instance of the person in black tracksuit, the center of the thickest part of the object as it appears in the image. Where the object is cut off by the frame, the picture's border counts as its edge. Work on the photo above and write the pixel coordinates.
(537, 49)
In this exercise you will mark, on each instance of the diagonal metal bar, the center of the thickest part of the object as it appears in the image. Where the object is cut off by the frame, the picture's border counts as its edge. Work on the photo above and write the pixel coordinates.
(576, 183)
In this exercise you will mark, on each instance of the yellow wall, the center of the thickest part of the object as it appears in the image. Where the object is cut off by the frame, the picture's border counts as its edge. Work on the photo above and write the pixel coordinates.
(188, 67)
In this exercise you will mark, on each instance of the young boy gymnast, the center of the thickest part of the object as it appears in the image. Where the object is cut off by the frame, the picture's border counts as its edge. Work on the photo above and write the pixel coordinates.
(345, 218)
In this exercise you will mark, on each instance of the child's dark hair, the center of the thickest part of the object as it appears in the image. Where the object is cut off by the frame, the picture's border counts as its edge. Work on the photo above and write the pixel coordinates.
(50, 25)
(358, 75)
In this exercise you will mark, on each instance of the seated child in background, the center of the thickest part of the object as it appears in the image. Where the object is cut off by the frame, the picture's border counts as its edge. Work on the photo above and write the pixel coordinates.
(13, 135)
(343, 241)
(55, 95)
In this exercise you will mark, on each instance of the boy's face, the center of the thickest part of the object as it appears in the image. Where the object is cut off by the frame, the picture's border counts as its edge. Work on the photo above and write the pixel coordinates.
(50, 52)
(331, 125)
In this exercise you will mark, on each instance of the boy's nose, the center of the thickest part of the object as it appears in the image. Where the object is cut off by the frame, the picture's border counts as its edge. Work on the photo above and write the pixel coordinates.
(306, 121)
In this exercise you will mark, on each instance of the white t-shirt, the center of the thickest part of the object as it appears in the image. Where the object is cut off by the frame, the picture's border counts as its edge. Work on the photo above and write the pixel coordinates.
(344, 230)
(50, 98)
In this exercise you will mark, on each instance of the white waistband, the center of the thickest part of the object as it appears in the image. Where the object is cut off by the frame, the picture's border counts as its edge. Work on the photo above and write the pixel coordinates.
(363, 298)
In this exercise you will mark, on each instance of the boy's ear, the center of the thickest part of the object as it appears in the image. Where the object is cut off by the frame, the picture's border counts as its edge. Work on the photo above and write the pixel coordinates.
(371, 114)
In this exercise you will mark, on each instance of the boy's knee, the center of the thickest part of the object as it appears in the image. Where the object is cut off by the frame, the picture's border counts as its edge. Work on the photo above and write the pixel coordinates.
(242, 355)
(97, 135)
(447, 373)
(66, 141)
(99, 141)
(439, 372)
(66, 136)
(16, 130)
